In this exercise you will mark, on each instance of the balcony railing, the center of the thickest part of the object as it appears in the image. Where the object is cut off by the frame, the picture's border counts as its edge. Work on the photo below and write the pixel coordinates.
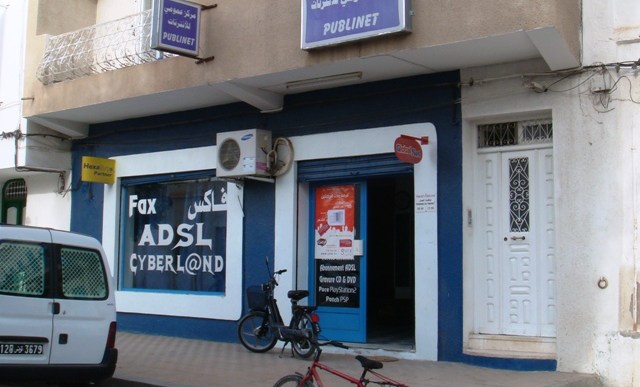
(102, 47)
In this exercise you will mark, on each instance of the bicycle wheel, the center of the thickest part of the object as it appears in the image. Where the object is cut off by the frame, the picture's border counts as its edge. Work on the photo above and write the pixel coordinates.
(292, 381)
(304, 348)
(255, 334)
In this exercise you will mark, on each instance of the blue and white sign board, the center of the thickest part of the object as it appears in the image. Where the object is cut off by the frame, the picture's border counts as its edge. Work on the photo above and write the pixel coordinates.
(176, 27)
(331, 22)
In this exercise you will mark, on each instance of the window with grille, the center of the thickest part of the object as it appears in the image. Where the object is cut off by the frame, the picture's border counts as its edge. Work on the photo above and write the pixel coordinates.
(22, 269)
(515, 133)
(82, 274)
(14, 200)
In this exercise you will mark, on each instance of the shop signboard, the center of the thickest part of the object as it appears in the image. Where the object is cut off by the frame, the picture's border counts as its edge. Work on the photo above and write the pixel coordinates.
(331, 22)
(98, 170)
(176, 27)
(407, 150)
(174, 236)
(337, 272)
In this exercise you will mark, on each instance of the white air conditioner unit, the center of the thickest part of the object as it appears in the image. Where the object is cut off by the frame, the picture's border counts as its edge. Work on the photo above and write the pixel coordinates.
(243, 153)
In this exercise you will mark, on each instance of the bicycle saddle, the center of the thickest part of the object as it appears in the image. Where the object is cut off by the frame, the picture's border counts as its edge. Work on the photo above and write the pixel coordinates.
(297, 295)
(368, 363)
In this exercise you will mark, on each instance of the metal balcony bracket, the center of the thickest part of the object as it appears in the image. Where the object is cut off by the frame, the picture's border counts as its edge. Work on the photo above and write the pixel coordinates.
(208, 7)
(204, 60)
(209, 58)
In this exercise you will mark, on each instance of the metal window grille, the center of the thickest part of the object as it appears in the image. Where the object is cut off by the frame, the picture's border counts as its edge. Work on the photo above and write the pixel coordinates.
(22, 269)
(102, 47)
(519, 194)
(515, 133)
(82, 274)
(15, 190)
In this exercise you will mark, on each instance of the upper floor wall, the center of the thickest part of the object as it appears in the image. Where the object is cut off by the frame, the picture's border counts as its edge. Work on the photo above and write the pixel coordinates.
(257, 53)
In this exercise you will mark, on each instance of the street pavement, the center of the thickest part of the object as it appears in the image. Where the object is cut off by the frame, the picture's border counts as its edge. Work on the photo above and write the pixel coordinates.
(146, 360)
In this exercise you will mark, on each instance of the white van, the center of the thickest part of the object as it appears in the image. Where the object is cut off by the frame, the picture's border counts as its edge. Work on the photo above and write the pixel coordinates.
(57, 307)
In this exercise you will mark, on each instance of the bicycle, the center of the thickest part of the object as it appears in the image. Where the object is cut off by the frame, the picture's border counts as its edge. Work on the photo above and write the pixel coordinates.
(260, 329)
(312, 377)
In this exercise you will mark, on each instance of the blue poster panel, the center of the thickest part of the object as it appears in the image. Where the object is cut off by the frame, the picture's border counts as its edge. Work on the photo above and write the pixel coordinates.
(330, 22)
(173, 236)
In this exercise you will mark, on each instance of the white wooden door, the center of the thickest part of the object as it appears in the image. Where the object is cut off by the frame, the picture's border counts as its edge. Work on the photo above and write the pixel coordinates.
(515, 266)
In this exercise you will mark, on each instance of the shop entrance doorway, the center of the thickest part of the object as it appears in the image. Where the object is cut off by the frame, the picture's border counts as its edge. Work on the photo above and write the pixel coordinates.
(362, 260)
(390, 245)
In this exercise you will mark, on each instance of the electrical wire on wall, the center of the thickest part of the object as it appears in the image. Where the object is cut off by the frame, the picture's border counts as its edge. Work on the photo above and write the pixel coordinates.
(18, 136)
(276, 165)
(600, 81)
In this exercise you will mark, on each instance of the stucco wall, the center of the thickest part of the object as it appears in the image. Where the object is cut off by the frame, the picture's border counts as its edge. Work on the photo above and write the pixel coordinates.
(45, 206)
(263, 37)
(595, 169)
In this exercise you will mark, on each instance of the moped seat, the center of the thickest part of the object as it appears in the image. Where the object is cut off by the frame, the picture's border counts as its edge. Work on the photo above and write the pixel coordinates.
(297, 295)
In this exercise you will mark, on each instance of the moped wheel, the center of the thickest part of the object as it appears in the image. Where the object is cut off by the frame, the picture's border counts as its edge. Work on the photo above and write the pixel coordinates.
(292, 381)
(255, 334)
(304, 348)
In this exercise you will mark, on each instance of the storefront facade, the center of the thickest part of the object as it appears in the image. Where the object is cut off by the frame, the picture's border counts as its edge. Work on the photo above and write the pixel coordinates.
(510, 242)
(193, 284)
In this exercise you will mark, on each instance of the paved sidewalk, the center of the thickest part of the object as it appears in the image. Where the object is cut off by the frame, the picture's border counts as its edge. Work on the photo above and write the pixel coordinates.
(176, 362)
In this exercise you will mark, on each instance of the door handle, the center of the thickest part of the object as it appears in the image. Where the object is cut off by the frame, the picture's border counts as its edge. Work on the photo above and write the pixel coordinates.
(56, 308)
(517, 238)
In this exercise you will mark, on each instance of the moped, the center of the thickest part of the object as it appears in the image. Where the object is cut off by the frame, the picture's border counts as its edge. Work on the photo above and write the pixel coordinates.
(261, 328)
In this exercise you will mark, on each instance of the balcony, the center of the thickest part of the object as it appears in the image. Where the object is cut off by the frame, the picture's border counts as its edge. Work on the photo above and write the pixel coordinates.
(102, 47)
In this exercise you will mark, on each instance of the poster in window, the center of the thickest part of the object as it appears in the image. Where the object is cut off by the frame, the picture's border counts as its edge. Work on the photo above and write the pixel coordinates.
(337, 272)
(335, 222)
(174, 236)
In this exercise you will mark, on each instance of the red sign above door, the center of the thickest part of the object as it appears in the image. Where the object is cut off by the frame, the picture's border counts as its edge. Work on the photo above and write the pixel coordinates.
(408, 149)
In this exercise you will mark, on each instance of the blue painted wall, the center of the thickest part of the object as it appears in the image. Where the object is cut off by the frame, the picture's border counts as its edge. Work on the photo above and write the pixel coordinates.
(430, 98)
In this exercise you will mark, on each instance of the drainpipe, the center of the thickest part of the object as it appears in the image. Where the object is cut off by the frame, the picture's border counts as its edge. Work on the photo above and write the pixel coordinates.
(634, 203)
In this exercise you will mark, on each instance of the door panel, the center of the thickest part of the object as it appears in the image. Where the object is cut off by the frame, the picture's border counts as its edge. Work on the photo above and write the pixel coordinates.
(338, 269)
(519, 249)
(516, 268)
(27, 310)
(81, 327)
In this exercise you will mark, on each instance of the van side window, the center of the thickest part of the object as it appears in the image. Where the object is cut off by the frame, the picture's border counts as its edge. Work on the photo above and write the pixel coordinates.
(22, 269)
(83, 274)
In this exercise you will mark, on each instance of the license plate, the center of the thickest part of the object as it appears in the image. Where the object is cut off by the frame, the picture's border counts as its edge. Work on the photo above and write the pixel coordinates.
(21, 349)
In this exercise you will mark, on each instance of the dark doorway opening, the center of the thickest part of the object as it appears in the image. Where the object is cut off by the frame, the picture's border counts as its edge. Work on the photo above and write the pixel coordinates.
(390, 254)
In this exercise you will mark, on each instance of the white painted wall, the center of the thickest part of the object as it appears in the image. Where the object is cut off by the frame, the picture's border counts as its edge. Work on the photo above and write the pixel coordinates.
(45, 206)
(596, 165)
(12, 22)
(109, 10)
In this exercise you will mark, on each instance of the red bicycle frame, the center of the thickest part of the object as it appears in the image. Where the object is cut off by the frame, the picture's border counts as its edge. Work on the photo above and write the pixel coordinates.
(313, 375)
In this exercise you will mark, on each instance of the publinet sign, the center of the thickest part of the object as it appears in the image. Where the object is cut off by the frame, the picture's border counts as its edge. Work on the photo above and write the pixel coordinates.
(176, 27)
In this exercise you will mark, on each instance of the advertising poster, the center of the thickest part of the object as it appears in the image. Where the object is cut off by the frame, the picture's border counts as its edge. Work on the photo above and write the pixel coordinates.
(335, 222)
(174, 236)
(337, 272)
